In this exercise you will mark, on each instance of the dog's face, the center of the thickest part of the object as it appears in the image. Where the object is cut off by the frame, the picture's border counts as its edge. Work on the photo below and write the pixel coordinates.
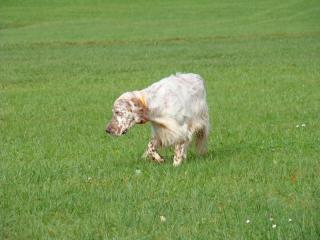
(127, 111)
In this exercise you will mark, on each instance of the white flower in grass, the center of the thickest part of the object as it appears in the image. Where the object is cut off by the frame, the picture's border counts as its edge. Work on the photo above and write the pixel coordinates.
(274, 225)
(303, 125)
(138, 171)
(271, 219)
(162, 218)
(297, 126)
(247, 221)
(89, 179)
(289, 220)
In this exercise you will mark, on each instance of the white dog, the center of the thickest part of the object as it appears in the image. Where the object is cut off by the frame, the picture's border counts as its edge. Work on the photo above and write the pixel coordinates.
(176, 108)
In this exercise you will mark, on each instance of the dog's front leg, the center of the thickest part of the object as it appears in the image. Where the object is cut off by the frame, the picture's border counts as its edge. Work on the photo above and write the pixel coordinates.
(151, 151)
(180, 153)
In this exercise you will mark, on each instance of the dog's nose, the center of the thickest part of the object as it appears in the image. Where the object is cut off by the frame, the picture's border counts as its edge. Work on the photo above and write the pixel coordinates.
(108, 130)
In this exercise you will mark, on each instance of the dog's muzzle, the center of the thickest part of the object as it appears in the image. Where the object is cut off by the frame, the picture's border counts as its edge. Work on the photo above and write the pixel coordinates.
(114, 132)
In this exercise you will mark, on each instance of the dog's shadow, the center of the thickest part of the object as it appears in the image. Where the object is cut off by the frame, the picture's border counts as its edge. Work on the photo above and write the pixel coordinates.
(212, 154)
(192, 155)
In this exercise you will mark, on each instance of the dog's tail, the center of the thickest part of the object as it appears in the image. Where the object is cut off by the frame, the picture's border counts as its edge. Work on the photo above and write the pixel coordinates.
(201, 137)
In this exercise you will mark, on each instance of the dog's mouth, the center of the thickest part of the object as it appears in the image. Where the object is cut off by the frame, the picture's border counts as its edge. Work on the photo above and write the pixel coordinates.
(117, 134)
(124, 132)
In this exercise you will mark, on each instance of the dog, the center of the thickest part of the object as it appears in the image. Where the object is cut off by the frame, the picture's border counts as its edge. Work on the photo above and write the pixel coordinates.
(177, 109)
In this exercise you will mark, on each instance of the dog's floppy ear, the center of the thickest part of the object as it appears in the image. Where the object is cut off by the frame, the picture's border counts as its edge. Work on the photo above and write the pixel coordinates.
(140, 109)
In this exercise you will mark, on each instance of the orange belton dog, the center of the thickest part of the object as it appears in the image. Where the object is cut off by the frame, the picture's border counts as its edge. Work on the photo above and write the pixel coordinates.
(177, 109)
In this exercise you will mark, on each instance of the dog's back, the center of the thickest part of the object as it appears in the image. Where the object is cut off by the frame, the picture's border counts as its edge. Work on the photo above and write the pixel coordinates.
(182, 94)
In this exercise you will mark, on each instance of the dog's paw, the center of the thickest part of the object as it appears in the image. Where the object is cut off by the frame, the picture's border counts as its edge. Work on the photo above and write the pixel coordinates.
(157, 159)
(176, 163)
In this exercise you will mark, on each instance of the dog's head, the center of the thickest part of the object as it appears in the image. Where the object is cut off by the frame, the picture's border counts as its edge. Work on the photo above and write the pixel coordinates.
(128, 109)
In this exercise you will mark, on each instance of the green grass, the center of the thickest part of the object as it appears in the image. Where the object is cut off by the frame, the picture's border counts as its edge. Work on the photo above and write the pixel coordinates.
(63, 63)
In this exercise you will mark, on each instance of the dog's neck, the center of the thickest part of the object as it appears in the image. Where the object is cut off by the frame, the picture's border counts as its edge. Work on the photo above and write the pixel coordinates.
(143, 100)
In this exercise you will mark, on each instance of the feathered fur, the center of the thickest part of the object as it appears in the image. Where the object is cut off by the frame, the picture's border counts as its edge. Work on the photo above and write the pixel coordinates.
(175, 106)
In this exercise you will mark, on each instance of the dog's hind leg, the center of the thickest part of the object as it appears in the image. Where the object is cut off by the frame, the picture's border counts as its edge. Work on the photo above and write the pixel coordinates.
(201, 135)
(151, 151)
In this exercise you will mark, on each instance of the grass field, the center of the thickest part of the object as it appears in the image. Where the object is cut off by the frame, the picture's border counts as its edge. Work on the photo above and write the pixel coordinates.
(63, 63)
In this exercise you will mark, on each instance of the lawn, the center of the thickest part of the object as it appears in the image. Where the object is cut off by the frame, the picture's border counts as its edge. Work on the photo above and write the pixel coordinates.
(63, 63)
